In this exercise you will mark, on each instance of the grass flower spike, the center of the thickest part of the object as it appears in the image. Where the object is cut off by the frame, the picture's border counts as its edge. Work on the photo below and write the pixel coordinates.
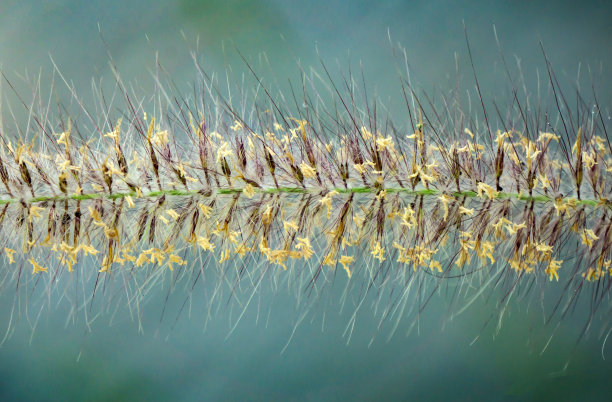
(191, 190)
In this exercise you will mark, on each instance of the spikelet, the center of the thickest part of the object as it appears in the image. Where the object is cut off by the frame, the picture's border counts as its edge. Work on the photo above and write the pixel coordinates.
(204, 187)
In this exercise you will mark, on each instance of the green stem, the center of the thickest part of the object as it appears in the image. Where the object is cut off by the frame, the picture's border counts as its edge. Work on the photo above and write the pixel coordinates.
(299, 190)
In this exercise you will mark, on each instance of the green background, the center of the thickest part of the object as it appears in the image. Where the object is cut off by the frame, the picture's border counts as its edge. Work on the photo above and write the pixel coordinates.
(194, 358)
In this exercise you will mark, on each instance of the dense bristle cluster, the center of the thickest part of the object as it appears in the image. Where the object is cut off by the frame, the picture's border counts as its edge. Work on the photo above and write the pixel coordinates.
(203, 188)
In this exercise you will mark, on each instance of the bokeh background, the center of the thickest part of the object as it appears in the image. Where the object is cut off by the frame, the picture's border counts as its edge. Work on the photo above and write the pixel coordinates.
(115, 358)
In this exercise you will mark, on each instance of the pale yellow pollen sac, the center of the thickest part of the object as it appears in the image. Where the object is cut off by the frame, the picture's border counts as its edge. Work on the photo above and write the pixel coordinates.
(301, 125)
(241, 249)
(498, 226)
(223, 151)
(420, 172)
(290, 225)
(484, 188)
(303, 244)
(62, 163)
(232, 236)
(329, 259)
(385, 143)
(545, 249)
(266, 216)
(347, 243)
(522, 264)
(510, 150)
(485, 250)
(225, 255)
(600, 144)
(367, 134)
(112, 169)
(577, 147)
(466, 211)
(87, 249)
(308, 171)
(142, 259)
(465, 234)
(10, 254)
(63, 139)
(128, 257)
(67, 248)
(206, 210)
(370, 163)
(408, 218)
(433, 264)
(346, 261)
(130, 201)
(476, 148)
(358, 220)
(248, 190)
(270, 136)
(512, 228)
(95, 215)
(115, 133)
(464, 255)
(157, 256)
(221, 229)
(35, 212)
(544, 182)
(263, 245)
(593, 274)
(589, 159)
(588, 236)
(381, 195)
(160, 138)
(378, 252)
(117, 259)
(175, 259)
(432, 165)
(36, 267)
(172, 213)
(501, 137)
(464, 149)
(359, 167)
(547, 137)
(560, 206)
(531, 153)
(237, 125)
(205, 243)
(286, 143)
(181, 168)
(445, 199)
(327, 201)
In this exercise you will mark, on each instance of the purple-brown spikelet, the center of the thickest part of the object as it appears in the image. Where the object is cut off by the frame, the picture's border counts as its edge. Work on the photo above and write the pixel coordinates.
(266, 195)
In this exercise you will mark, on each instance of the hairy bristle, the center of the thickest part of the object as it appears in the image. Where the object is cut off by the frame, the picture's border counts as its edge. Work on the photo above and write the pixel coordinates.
(204, 187)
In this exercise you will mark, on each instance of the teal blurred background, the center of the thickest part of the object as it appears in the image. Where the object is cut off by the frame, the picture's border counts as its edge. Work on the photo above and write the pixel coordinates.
(114, 359)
